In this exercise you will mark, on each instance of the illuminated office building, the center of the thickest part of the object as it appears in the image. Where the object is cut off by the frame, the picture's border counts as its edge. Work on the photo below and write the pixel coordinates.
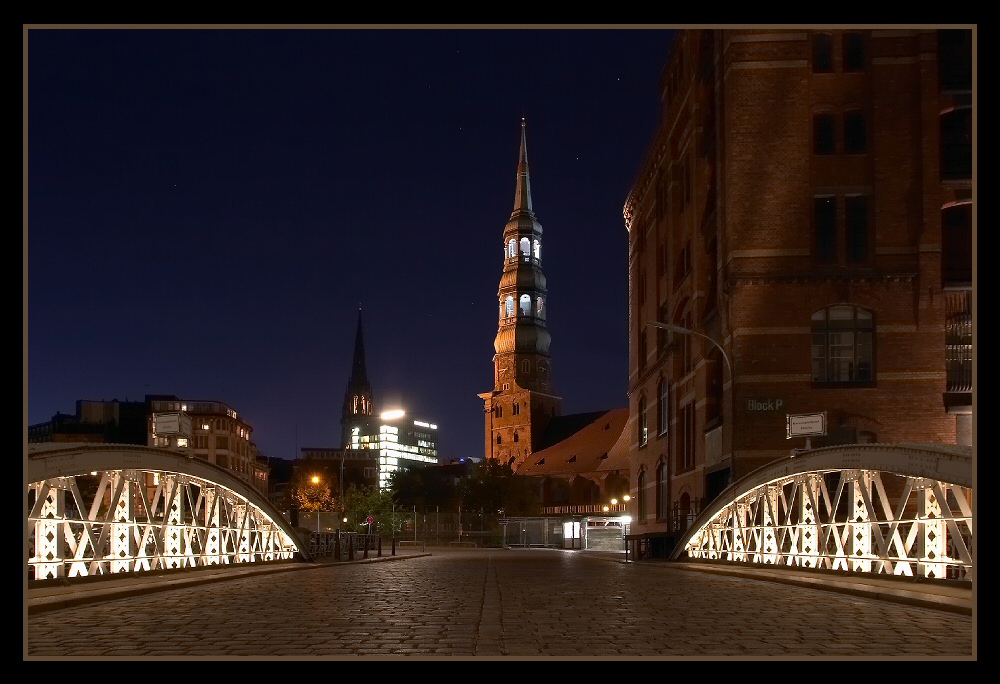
(402, 442)
(399, 440)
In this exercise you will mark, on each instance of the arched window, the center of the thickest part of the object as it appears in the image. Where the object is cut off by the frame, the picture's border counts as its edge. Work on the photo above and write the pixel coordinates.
(540, 307)
(525, 246)
(956, 144)
(509, 303)
(512, 248)
(824, 136)
(515, 437)
(525, 305)
(822, 53)
(842, 345)
(537, 249)
(499, 439)
(643, 425)
(525, 366)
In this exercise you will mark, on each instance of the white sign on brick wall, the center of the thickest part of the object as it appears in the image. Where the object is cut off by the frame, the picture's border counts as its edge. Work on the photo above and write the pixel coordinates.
(805, 424)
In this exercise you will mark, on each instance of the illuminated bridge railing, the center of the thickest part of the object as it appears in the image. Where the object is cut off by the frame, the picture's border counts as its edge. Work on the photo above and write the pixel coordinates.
(910, 516)
(113, 520)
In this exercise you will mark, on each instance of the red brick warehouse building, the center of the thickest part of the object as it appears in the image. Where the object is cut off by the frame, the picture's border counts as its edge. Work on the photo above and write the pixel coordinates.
(803, 226)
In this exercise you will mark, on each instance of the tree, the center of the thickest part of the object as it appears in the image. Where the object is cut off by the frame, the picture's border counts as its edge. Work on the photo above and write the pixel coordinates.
(492, 486)
(311, 487)
(377, 503)
(428, 486)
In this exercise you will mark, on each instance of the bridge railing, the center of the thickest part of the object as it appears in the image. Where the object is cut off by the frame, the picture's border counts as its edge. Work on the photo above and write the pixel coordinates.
(344, 545)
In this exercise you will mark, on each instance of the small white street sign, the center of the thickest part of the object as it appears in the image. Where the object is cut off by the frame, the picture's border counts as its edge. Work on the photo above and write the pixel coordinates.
(805, 424)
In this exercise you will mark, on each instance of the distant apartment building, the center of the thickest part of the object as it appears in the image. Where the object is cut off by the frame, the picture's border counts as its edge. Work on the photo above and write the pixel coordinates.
(800, 244)
(209, 430)
(212, 431)
(351, 466)
(116, 422)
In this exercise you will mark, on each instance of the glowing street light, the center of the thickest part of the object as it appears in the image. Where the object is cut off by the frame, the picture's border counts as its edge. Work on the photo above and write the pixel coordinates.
(315, 481)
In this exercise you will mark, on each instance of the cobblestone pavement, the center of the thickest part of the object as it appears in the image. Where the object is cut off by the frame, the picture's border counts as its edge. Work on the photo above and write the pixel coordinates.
(498, 604)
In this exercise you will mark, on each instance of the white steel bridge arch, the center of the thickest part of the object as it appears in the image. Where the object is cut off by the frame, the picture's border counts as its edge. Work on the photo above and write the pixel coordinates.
(152, 509)
(894, 509)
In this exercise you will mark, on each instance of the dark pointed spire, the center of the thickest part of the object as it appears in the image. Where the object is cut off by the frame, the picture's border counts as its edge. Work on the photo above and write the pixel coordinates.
(359, 375)
(522, 195)
(358, 401)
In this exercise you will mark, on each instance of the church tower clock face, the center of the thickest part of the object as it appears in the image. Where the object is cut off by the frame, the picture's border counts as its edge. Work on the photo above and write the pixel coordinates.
(522, 367)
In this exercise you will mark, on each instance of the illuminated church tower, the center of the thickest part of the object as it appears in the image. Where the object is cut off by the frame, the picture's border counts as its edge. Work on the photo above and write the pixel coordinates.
(523, 400)
(357, 411)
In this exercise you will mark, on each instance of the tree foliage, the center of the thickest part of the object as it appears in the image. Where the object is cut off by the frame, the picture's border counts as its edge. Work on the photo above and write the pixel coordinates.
(489, 486)
(428, 486)
(379, 504)
(493, 486)
(312, 486)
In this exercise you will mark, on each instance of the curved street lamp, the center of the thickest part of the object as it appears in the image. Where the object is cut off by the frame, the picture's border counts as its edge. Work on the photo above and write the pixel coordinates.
(732, 381)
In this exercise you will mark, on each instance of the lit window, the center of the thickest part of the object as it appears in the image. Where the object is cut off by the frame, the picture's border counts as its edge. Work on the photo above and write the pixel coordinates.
(525, 304)
(537, 249)
(509, 304)
(512, 248)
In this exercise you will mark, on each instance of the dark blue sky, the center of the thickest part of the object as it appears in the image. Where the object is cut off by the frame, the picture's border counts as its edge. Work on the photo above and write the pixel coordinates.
(208, 208)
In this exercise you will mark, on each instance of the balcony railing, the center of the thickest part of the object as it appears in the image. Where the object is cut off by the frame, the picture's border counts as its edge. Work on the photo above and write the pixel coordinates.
(958, 340)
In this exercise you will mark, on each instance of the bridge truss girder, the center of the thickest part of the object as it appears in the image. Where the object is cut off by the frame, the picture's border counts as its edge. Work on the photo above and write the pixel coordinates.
(894, 519)
(139, 519)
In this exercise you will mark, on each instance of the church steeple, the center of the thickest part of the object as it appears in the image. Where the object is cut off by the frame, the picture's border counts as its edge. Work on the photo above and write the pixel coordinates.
(523, 400)
(358, 402)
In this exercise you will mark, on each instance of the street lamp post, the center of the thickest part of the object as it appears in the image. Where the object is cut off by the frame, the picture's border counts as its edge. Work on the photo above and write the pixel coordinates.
(315, 481)
(732, 382)
(341, 488)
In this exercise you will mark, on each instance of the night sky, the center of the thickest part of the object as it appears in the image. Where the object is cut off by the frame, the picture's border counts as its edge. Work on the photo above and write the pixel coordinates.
(208, 209)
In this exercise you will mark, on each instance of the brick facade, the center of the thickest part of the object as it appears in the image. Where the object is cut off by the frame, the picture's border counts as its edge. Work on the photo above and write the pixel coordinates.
(728, 238)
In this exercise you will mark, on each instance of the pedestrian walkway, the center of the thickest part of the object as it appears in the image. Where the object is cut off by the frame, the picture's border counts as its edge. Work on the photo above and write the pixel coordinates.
(953, 596)
(69, 592)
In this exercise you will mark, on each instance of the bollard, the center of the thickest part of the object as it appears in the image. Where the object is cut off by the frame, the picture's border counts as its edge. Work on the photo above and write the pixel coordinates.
(394, 545)
(368, 539)
(380, 546)
(350, 547)
(336, 547)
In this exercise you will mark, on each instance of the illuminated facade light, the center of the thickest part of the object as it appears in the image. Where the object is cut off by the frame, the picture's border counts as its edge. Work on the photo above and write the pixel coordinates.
(392, 414)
